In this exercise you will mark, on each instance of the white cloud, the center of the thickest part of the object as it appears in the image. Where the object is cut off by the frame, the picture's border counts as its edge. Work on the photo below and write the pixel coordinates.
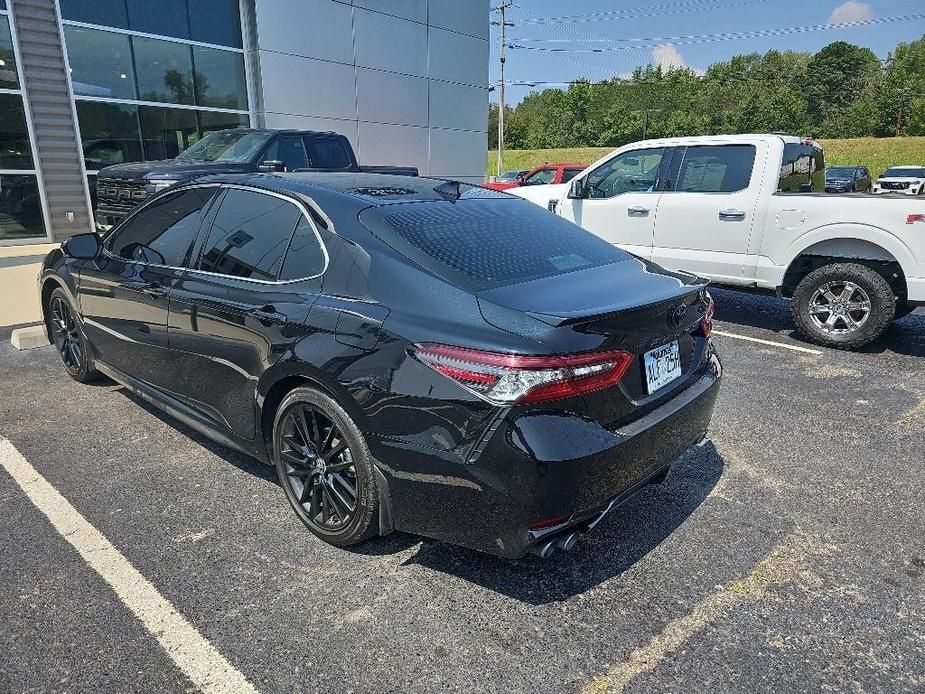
(668, 57)
(851, 11)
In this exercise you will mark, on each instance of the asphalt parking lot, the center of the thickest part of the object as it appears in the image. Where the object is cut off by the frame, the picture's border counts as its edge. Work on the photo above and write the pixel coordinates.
(787, 555)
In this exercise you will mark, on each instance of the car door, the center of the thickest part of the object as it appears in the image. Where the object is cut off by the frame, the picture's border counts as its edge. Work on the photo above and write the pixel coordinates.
(620, 199)
(706, 218)
(125, 294)
(233, 316)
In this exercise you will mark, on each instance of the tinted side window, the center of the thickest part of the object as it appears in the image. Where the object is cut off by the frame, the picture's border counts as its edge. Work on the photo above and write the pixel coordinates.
(569, 174)
(629, 172)
(249, 235)
(289, 150)
(327, 153)
(716, 169)
(541, 177)
(168, 226)
(305, 257)
(802, 169)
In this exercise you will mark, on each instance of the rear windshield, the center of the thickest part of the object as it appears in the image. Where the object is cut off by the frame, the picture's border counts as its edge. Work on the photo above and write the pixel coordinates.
(486, 243)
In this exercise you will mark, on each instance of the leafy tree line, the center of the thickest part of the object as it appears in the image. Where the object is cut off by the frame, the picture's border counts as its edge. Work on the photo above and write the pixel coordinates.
(842, 91)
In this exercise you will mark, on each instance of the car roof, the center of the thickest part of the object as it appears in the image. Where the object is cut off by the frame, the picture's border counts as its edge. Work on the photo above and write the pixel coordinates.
(362, 189)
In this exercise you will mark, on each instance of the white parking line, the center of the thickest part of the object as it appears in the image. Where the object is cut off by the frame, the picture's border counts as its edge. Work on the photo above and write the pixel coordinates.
(193, 654)
(782, 345)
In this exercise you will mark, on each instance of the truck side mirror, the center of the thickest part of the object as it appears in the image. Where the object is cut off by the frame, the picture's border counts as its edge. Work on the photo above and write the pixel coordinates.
(271, 166)
(577, 190)
(82, 246)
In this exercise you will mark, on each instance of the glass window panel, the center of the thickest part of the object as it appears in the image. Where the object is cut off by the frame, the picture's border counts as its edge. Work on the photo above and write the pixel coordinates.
(110, 13)
(2, 4)
(15, 152)
(164, 70)
(210, 121)
(327, 152)
(167, 131)
(630, 172)
(215, 21)
(101, 63)
(109, 133)
(220, 81)
(166, 226)
(20, 208)
(304, 257)
(8, 77)
(167, 17)
(249, 235)
(288, 149)
(716, 169)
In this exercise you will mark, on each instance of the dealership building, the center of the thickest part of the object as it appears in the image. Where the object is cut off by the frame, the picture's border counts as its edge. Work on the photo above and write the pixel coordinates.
(89, 83)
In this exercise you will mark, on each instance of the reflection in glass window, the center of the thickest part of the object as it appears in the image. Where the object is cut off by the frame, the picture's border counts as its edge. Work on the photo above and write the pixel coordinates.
(101, 63)
(211, 121)
(215, 21)
(110, 13)
(166, 17)
(109, 133)
(15, 152)
(226, 146)
(8, 78)
(220, 81)
(164, 69)
(630, 172)
(20, 208)
(304, 257)
(249, 235)
(166, 131)
(716, 169)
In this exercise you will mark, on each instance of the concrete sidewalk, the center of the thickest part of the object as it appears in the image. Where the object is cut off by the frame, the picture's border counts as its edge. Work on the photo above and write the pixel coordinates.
(19, 299)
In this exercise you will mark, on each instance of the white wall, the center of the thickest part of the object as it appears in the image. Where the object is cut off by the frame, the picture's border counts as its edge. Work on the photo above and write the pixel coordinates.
(405, 80)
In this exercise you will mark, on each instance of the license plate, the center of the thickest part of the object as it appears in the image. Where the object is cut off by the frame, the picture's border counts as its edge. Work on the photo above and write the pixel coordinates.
(663, 365)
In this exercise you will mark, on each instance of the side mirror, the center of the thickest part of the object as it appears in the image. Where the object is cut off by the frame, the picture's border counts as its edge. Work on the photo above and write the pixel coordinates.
(147, 255)
(576, 189)
(271, 165)
(82, 246)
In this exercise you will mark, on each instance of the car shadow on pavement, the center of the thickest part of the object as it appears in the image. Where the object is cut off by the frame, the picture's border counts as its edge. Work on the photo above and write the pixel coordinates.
(767, 312)
(624, 537)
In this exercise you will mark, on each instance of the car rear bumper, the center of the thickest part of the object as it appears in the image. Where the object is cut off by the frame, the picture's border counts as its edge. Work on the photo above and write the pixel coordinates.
(562, 471)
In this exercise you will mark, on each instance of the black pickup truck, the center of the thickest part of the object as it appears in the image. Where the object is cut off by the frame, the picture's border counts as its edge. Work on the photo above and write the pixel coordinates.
(120, 188)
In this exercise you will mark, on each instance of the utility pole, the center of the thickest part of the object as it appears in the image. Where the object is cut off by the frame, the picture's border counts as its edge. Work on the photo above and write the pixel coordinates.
(501, 24)
(899, 116)
(645, 126)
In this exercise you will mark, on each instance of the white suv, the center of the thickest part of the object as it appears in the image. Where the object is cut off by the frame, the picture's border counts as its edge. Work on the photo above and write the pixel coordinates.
(902, 179)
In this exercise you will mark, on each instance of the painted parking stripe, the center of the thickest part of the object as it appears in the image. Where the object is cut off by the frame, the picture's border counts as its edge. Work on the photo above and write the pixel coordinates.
(783, 565)
(782, 345)
(190, 651)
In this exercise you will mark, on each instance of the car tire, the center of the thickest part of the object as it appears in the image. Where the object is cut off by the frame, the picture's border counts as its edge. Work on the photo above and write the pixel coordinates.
(842, 286)
(333, 492)
(66, 332)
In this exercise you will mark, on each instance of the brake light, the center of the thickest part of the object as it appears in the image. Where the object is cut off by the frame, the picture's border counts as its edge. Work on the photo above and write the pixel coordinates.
(913, 218)
(508, 379)
(706, 323)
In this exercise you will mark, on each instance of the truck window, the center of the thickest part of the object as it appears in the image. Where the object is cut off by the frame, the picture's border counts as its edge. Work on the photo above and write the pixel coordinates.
(802, 169)
(634, 171)
(716, 169)
(289, 150)
(327, 153)
(541, 177)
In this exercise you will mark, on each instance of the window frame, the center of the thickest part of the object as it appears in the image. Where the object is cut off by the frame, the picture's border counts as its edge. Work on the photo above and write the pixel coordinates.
(303, 209)
(27, 113)
(679, 155)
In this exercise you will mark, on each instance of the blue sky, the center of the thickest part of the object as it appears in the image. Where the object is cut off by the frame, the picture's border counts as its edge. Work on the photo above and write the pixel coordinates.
(667, 21)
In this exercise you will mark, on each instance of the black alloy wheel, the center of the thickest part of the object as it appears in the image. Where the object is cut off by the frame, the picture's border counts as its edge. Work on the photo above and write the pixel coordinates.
(65, 329)
(324, 468)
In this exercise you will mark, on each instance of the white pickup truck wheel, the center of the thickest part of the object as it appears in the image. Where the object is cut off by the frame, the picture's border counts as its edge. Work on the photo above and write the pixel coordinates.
(843, 305)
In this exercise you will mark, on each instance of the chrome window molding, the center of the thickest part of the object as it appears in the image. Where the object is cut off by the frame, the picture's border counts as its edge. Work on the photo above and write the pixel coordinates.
(225, 186)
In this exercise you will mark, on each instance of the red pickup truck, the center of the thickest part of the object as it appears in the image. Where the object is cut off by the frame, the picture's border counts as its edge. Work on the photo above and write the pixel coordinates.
(541, 175)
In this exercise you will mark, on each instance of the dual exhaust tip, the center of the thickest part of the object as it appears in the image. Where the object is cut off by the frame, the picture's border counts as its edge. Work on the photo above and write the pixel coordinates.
(563, 542)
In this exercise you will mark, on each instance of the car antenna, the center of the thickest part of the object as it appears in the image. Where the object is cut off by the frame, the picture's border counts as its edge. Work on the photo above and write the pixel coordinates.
(451, 191)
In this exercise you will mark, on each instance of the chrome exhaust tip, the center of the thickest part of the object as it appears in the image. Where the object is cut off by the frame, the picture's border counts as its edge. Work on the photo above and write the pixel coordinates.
(566, 541)
(544, 550)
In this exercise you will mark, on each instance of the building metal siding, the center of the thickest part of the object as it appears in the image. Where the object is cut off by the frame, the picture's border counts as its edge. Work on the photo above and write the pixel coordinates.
(46, 86)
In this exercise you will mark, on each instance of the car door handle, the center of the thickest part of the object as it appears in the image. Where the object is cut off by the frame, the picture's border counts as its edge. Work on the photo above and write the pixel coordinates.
(640, 211)
(732, 215)
(268, 315)
(154, 289)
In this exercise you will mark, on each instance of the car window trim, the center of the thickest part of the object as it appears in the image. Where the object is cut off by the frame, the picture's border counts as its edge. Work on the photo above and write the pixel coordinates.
(225, 186)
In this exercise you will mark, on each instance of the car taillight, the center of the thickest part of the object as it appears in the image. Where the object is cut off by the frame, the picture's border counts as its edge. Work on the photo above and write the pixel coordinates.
(706, 323)
(913, 218)
(508, 379)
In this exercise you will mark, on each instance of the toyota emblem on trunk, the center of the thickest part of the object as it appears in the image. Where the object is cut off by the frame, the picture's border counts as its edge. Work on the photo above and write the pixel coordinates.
(678, 314)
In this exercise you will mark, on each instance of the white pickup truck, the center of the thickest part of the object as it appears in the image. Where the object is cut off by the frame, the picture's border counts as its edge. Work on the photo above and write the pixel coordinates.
(741, 210)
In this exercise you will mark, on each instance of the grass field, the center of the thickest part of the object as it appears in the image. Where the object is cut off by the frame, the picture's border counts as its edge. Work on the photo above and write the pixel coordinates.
(876, 153)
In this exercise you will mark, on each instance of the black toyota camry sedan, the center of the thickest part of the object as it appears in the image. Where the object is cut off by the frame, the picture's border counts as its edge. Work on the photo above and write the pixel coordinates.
(409, 353)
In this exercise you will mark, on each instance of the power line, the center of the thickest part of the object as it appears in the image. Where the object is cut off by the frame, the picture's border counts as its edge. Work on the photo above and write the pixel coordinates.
(705, 38)
(644, 12)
